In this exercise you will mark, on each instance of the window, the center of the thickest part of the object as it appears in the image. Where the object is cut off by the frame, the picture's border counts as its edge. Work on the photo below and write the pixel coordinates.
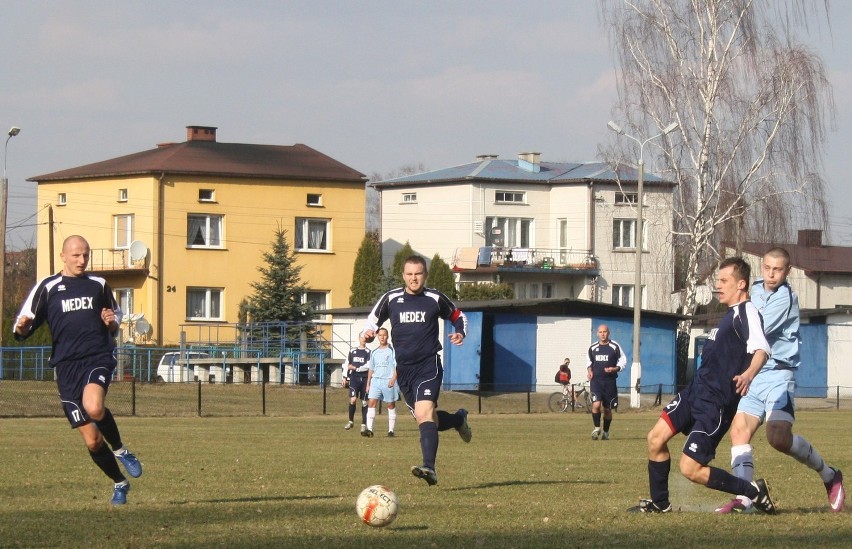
(511, 232)
(61, 199)
(124, 298)
(122, 195)
(409, 198)
(627, 199)
(311, 234)
(314, 199)
(204, 231)
(204, 304)
(622, 295)
(510, 197)
(206, 195)
(534, 290)
(318, 300)
(624, 234)
(122, 231)
(547, 290)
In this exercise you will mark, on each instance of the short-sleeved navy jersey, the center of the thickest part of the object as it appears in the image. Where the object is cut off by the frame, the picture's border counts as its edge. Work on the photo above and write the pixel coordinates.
(414, 322)
(71, 306)
(359, 358)
(728, 352)
(606, 356)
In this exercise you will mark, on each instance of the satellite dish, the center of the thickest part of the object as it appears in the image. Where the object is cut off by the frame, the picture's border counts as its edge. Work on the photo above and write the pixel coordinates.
(142, 326)
(138, 250)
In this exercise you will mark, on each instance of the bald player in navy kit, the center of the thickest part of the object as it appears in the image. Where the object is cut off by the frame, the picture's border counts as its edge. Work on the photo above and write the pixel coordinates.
(414, 312)
(83, 318)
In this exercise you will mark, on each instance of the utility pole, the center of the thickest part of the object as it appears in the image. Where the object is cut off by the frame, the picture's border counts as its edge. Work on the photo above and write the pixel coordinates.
(4, 198)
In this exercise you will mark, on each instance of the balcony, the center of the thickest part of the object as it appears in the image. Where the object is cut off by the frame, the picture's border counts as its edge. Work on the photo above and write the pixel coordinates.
(526, 260)
(116, 260)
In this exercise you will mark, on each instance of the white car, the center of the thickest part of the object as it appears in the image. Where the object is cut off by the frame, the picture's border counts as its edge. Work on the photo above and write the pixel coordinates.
(172, 369)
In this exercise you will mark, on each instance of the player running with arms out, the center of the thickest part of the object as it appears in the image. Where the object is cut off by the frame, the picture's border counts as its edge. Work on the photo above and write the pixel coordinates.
(356, 379)
(733, 355)
(83, 318)
(606, 359)
(770, 397)
(381, 383)
(414, 312)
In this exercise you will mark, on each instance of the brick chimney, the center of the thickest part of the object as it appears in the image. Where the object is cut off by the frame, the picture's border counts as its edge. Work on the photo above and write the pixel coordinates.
(810, 238)
(201, 133)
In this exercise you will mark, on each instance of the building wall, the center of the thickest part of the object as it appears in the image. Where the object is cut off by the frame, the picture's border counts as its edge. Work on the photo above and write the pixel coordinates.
(252, 210)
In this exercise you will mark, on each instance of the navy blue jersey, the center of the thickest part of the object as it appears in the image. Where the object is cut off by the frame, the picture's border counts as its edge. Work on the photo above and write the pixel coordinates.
(728, 352)
(414, 322)
(360, 358)
(71, 306)
(603, 356)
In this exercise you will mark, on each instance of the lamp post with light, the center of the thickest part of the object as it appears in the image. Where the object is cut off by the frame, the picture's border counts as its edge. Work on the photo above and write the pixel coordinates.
(4, 197)
(636, 366)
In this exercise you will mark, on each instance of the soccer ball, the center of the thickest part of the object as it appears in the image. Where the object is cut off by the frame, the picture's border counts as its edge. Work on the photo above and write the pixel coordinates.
(377, 506)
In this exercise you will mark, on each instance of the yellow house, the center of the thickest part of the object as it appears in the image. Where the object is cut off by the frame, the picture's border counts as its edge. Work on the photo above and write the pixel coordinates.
(179, 231)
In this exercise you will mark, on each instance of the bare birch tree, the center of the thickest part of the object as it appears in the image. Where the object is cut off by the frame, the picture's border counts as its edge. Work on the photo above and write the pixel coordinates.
(752, 103)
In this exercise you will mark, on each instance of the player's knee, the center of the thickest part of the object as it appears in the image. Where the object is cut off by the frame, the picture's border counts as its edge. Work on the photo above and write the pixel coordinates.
(690, 468)
(95, 410)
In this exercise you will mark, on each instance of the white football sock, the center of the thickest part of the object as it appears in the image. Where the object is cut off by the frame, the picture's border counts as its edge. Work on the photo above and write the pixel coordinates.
(742, 461)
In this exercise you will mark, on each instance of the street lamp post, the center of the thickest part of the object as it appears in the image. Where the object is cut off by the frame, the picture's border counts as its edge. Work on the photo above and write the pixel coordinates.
(636, 367)
(4, 197)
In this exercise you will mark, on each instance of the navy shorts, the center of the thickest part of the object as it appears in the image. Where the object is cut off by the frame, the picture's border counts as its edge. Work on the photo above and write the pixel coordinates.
(421, 380)
(703, 421)
(604, 391)
(358, 385)
(73, 376)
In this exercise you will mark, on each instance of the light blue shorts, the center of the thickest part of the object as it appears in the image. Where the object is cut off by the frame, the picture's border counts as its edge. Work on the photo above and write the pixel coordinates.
(770, 396)
(379, 390)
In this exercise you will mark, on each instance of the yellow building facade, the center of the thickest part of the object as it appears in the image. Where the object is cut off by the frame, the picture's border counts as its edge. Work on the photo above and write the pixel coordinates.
(181, 244)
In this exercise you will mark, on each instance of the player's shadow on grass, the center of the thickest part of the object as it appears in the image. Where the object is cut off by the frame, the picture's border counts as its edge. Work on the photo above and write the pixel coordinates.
(525, 482)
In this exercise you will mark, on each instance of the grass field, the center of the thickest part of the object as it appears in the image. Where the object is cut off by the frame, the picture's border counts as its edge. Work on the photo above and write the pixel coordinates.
(526, 480)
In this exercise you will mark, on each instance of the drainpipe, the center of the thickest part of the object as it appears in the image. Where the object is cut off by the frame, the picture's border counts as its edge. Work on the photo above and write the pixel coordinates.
(161, 223)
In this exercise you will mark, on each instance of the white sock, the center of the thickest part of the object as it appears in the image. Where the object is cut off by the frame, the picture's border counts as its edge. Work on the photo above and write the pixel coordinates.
(371, 415)
(803, 452)
(391, 419)
(742, 461)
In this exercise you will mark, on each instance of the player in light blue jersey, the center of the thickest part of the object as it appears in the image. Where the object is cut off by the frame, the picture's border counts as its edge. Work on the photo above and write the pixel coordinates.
(381, 382)
(770, 397)
(83, 318)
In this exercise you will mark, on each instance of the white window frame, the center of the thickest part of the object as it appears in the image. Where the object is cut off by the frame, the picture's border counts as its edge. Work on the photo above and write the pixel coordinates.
(124, 298)
(627, 199)
(619, 298)
(122, 237)
(518, 232)
(311, 296)
(304, 227)
(510, 197)
(314, 200)
(122, 195)
(212, 228)
(624, 234)
(409, 198)
(206, 195)
(61, 199)
(211, 300)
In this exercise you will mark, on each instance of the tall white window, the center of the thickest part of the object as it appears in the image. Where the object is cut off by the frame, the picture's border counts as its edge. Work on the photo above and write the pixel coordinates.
(622, 294)
(122, 231)
(311, 234)
(516, 232)
(124, 298)
(624, 234)
(318, 300)
(204, 231)
(204, 303)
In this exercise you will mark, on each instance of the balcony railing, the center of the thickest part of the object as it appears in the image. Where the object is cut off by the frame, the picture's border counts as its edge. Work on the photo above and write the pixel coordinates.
(114, 259)
(525, 258)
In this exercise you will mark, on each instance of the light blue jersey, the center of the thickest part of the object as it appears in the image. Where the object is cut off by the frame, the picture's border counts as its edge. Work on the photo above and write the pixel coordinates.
(780, 312)
(382, 363)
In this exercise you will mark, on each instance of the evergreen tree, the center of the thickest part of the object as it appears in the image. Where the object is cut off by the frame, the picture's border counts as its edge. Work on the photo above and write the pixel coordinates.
(395, 275)
(278, 294)
(368, 283)
(441, 277)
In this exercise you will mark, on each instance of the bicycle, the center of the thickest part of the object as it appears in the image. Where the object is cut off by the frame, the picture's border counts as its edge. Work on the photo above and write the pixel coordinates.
(562, 402)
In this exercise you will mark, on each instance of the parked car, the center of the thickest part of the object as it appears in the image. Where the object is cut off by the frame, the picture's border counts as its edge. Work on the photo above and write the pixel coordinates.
(172, 369)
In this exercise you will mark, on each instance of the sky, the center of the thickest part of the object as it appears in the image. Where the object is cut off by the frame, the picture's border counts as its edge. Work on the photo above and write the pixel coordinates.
(377, 85)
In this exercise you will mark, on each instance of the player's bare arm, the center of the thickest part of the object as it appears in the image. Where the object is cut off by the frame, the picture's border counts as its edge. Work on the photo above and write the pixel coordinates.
(743, 381)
